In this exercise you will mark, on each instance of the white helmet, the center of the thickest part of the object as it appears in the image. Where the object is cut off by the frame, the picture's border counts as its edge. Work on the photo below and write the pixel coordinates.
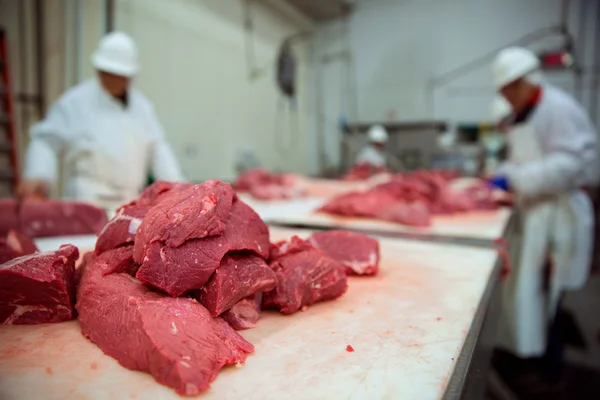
(378, 134)
(513, 63)
(117, 54)
(501, 109)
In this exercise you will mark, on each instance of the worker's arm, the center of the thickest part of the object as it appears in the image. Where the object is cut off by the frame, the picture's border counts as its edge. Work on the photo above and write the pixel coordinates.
(164, 164)
(572, 154)
(48, 139)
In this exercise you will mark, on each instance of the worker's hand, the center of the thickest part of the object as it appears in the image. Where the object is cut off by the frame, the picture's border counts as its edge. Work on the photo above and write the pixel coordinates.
(500, 182)
(36, 188)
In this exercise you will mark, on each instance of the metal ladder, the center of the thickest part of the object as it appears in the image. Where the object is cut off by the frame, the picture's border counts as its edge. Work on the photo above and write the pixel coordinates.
(9, 158)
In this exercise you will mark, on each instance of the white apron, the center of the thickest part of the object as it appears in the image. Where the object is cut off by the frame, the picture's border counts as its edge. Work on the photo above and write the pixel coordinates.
(560, 227)
(108, 159)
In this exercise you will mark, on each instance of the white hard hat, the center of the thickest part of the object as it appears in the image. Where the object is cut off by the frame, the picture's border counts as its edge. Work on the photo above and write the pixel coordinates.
(501, 109)
(513, 63)
(117, 54)
(378, 134)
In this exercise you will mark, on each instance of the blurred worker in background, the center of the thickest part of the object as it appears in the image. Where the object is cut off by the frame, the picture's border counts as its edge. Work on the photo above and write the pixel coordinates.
(553, 156)
(107, 132)
(373, 153)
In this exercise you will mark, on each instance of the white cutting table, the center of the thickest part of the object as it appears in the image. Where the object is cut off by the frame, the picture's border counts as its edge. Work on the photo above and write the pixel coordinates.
(483, 226)
(411, 327)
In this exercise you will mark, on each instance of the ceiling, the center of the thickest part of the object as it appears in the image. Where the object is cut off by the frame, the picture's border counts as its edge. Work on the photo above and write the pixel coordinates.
(321, 10)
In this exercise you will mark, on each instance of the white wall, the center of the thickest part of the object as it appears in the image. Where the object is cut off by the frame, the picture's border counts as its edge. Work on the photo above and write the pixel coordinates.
(194, 70)
(400, 46)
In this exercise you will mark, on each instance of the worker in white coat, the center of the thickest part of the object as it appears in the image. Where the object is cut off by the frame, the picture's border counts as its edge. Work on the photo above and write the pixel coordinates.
(106, 131)
(373, 153)
(502, 114)
(553, 155)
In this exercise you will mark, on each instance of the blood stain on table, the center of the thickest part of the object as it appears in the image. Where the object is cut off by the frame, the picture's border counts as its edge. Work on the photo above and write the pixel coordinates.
(349, 349)
(49, 371)
(94, 365)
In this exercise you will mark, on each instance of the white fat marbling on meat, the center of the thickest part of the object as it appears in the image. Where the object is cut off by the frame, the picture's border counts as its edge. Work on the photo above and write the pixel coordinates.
(21, 310)
(134, 224)
(177, 217)
(174, 329)
(360, 266)
(185, 364)
(190, 389)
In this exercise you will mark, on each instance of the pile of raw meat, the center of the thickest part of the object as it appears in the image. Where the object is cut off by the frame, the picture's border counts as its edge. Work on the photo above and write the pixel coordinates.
(173, 275)
(264, 185)
(363, 171)
(42, 218)
(412, 199)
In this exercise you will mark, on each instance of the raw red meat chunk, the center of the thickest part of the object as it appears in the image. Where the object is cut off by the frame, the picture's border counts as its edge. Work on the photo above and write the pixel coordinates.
(358, 253)
(123, 227)
(173, 339)
(38, 288)
(119, 260)
(380, 205)
(195, 212)
(411, 199)
(15, 245)
(239, 275)
(256, 177)
(264, 185)
(177, 270)
(363, 171)
(244, 314)
(42, 218)
(305, 275)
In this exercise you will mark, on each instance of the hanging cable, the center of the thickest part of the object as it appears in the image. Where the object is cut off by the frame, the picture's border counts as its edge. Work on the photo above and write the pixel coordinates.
(253, 70)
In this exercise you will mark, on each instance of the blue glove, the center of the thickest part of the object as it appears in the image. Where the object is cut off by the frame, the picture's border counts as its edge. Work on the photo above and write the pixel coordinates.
(500, 182)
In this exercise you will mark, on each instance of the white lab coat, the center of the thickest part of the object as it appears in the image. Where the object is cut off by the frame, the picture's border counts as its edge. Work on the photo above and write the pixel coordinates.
(108, 148)
(371, 155)
(552, 155)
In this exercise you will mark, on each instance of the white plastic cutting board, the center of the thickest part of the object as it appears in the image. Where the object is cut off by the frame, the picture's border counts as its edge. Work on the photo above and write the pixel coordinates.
(407, 326)
(485, 225)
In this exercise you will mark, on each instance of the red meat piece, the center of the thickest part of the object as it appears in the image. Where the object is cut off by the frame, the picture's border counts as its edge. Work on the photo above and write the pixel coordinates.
(38, 288)
(189, 266)
(15, 245)
(244, 314)
(119, 260)
(411, 214)
(305, 276)
(240, 275)
(256, 177)
(358, 204)
(363, 171)
(275, 192)
(42, 218)
(194, 212)
(122, 228)
(173, 339)
(358, 253)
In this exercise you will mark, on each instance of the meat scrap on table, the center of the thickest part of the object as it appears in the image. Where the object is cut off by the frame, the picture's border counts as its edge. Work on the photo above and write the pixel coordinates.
(412, 199)
(264, 185)
(14, 245)
(181, 261)
(43, 218)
